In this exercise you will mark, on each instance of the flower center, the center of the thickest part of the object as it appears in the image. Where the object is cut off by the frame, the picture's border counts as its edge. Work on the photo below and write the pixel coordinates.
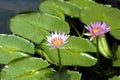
(57, 42)
(95, 30)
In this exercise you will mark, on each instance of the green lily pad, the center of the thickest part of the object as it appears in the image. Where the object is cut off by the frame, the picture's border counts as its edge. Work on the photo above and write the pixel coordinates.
(26, 69)
(13, 47)
(66, 75)
(75, 49)
(115, 78)
(59, 8)
(35, 26)
(92, 11)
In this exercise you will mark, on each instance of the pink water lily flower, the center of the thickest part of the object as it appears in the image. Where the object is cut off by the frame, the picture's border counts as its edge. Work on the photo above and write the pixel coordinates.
(97, 29)
(57, 39)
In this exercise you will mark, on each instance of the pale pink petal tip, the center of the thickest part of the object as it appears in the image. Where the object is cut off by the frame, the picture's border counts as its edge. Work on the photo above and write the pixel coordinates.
(57, 39)
(97, 29)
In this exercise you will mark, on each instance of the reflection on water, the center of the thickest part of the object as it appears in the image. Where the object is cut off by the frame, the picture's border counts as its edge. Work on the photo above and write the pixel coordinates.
(9, 8)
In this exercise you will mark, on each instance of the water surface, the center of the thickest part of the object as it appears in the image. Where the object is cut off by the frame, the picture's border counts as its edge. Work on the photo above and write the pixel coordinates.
(9, 8)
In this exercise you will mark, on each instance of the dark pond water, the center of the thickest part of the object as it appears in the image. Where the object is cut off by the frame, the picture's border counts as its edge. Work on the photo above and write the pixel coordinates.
(9, 8)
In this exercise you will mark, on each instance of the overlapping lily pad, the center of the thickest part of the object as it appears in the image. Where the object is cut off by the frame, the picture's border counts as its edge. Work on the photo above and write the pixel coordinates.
(35, 26)
(59, 8)
(92, 11)
(26, 69)
(65, 75)
(13, 47)
(76, 49)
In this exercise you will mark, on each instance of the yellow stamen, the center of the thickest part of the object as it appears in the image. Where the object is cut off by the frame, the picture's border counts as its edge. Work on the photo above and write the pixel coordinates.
(57, 42)
(95, 30)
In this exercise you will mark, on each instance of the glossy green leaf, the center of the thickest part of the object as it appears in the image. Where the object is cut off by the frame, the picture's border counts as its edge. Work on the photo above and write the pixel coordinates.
(116, 33)
(6, 57)
(80, 44)
(35, 26)
(117, 61)
(13, 47)
(75, 49)
(26, 69)
(83, 4)
(115, 78)
(104, 48)
(59, 8)
(66, 75)
(91, 11)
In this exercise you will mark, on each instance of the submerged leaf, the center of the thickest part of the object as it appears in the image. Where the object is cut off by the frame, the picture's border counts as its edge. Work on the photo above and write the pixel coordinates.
(116, 63)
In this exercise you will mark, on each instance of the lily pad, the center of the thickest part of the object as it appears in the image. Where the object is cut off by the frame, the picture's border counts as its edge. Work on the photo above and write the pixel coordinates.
(92, 11)
(35, 26)
(59, 8)
(66, 75)
(76, 48)
(26, 69)
(14, 47)
(115, 78)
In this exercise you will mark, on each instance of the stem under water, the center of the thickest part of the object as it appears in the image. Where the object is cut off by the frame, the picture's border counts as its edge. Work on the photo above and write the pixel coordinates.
(83, 32)
(75, 30)
(97, 42)
(59, 57)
